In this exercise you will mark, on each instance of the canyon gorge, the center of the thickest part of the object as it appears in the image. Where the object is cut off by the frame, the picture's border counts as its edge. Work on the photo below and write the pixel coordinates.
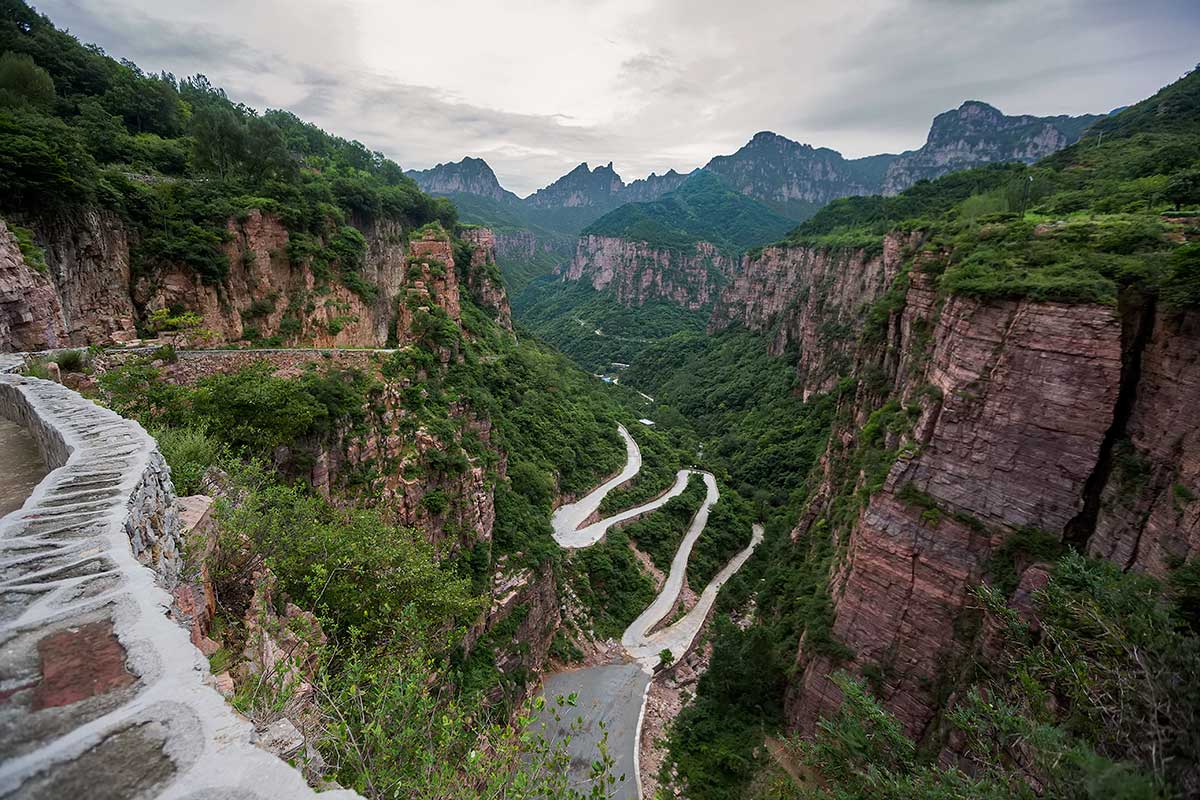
(794, 476)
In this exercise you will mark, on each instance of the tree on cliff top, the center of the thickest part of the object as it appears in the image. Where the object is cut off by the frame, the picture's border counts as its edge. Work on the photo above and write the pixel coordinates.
(23, 82)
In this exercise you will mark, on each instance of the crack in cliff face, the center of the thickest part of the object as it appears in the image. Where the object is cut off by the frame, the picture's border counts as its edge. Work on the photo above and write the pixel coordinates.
(1137, 323)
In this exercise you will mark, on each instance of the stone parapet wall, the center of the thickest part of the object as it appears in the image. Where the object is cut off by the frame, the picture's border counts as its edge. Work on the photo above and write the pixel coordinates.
(102, 694)
(190, 366)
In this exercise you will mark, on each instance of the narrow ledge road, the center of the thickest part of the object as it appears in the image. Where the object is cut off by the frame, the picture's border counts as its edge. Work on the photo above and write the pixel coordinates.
(611, 698)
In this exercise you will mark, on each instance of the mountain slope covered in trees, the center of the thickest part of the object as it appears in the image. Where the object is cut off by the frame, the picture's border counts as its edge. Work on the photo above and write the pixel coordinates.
(702, 209)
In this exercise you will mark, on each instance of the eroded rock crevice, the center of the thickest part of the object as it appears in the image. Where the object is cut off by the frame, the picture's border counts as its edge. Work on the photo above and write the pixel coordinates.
(1137, 325)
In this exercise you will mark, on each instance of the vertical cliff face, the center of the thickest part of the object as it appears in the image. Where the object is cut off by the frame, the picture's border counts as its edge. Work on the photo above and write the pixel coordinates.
(811, 300)
(520, 244)
(266, 294)
(483, 278)
(88, 256)
(1148, 515)
(999, 414)
(639, 273)
(88, 295)
(31, 316)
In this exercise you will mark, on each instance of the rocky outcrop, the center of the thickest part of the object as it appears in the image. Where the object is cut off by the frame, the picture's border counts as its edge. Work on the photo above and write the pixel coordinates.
(1148, 515)
(581, 187)
(90, 297)
(998, 418)
(527, 600)
(524, 245)
(796, 179)
(483, 278)
(87, 253)
(975, 134)
(418, 478)
(652, 187)
(31, 317)
(813, 302)
(1005, 409)
(266, 295)
(639, 273)
(469, 176)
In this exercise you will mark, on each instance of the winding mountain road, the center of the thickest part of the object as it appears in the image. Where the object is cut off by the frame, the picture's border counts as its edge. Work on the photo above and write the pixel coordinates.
(593, 686)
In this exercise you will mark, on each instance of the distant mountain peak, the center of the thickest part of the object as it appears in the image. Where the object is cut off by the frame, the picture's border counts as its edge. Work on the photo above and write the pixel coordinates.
(980, 105)
(469, 176)
(794, 179)
(978, 133)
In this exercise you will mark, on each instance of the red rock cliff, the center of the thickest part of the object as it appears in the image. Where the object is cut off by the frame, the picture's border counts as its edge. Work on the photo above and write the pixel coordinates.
(483, 277)
(31, 316)
(264, 295)
(814, 300)
(1002, 415)
(639, 273)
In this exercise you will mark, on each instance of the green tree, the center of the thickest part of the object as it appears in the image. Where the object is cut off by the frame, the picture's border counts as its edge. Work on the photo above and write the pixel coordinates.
(266, 154)
(103, 133)
(42, 162)
(1184, 188)
(22, 82)
(146, 104)
(220, 138)
(255, 410)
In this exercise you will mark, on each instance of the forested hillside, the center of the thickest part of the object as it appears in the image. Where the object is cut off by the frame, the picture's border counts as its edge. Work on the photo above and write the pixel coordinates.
(177, 158)
(703, 209)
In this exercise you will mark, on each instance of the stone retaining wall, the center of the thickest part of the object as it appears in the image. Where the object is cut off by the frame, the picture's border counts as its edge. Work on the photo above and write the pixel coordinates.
(102, 695)
(190, 366)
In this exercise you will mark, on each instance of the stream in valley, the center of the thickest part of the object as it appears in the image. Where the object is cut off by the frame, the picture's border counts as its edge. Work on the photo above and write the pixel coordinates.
(610, 698)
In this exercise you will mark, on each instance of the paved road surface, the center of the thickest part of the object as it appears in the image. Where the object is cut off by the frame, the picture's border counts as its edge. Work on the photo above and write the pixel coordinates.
(614, 694)
(611, 694)
(678, 637)
(635, 634)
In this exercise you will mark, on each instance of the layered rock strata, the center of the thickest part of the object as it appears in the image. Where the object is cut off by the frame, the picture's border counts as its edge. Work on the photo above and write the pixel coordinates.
(639, 273)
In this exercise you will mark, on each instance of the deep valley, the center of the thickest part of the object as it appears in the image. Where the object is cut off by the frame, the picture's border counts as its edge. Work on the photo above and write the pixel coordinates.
(792, 476)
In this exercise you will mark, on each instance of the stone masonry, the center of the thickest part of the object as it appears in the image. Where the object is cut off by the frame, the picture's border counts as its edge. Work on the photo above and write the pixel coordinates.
(102, 694)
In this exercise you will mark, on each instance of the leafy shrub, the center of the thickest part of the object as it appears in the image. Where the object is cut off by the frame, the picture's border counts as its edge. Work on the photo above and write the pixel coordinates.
(72, 360)
(611, 584)
(34, 256)
(362, 576)
(24, 83)
(189, 452)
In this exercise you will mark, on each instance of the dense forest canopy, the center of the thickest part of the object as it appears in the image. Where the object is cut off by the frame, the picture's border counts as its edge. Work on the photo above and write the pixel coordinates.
(702, 209)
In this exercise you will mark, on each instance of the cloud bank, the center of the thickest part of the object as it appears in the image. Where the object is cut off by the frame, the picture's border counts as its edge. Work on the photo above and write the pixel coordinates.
(537, 87)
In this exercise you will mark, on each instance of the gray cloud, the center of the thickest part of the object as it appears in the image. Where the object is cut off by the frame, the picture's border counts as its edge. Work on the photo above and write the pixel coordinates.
(536, 87)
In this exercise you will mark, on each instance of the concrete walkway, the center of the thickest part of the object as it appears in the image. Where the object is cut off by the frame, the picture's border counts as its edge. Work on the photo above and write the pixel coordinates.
(102, 694)
(23, 466)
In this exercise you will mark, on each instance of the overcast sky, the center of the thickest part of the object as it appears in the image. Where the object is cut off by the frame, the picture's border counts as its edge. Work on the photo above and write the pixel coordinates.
(537, 86)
